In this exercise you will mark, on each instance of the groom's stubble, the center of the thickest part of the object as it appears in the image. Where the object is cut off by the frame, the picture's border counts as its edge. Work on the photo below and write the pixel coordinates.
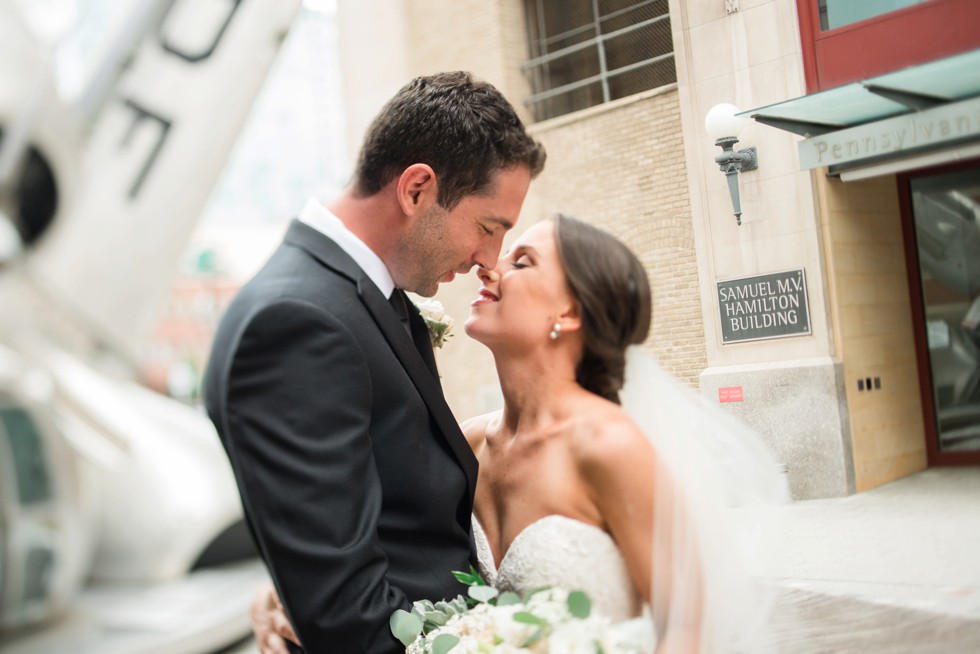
(425, 253)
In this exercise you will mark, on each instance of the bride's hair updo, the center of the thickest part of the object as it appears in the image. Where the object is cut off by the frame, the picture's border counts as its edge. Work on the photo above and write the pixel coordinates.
(613, 293)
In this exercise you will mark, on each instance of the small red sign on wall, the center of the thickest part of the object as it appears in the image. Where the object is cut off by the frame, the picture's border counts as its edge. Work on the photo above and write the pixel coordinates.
(730, 394)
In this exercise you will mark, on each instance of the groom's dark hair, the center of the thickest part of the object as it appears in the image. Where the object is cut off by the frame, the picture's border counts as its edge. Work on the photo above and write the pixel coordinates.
(463, 128)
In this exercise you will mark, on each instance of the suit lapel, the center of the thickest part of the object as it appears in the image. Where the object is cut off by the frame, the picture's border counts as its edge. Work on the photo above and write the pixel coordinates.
(416, 357)
(423, 375)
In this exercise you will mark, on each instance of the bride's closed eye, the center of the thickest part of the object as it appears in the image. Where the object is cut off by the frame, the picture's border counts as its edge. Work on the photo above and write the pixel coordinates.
(522, 261)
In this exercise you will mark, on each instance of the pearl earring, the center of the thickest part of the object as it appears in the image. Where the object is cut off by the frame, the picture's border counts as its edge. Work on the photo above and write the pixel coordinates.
(555, 331)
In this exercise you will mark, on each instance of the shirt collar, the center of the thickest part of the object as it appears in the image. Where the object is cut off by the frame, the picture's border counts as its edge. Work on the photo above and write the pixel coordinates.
(324, 221)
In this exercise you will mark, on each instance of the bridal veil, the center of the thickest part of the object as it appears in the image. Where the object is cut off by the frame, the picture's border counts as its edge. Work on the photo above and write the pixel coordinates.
(716, 530)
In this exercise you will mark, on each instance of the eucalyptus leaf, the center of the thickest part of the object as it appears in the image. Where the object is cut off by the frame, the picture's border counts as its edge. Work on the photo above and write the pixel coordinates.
(482, 593)
(533, 638)
(443, 643)
(529, 618)
(459, 604)
(436, 618)
(529, 594)
(508, 598)
(579, 605)
(405, 626)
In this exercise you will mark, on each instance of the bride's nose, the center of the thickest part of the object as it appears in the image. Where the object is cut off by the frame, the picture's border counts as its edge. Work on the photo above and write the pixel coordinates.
(487, 275)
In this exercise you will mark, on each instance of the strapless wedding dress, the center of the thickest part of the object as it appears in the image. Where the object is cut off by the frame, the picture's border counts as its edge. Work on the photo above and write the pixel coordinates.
(566, 553)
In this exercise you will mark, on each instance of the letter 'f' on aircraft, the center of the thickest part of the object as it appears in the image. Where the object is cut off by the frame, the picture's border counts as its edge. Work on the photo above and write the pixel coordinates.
(100, 478)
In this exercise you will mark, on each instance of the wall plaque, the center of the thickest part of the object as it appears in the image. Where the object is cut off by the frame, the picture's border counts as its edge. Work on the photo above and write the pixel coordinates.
(764, 306)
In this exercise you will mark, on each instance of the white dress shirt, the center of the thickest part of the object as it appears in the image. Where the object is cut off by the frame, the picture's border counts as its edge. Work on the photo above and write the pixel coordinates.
(324, 221)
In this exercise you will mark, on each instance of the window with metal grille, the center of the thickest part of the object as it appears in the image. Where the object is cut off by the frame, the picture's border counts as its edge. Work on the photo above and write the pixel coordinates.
(586, 52)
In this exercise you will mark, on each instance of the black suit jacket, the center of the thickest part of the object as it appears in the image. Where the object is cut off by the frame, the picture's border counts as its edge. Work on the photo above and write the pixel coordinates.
(355, 478)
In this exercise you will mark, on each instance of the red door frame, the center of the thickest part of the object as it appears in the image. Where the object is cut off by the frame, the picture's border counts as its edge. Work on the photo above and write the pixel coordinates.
(905, 37)
(936, 457)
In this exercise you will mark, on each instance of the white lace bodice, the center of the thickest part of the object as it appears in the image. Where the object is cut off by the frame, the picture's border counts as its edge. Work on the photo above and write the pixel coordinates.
(563, 552)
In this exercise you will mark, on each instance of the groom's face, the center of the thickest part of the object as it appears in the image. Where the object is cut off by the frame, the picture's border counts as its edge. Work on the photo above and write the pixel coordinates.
(445, 243)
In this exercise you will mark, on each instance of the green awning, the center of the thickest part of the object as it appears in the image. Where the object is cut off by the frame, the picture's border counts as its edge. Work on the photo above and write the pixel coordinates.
(909, 111)
(899, 92)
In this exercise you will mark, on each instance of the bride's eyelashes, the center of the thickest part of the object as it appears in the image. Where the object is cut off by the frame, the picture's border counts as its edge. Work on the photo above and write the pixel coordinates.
(521, 261)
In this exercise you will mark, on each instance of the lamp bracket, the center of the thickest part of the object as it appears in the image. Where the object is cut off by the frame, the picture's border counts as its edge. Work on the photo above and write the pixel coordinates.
(732, 162)
(750, 159)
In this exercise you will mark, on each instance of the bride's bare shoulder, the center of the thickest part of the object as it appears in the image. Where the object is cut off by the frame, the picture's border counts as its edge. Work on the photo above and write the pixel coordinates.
(607, 437)
(475, 429)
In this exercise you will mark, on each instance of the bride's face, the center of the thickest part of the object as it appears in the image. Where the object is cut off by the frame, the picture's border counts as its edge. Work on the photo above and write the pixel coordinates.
(520, 300)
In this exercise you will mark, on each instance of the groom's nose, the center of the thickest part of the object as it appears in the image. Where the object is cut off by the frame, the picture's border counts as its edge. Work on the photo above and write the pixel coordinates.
(489, 251)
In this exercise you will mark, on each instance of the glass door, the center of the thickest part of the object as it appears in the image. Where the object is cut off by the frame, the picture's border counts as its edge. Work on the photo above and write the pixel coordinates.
(946, 215)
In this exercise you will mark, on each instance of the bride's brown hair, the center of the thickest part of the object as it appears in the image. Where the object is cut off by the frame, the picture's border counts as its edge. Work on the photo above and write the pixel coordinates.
(613, 293)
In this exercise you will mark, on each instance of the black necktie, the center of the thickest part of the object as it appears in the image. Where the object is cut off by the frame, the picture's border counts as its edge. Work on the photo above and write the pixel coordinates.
(419, 336)
(397, 301)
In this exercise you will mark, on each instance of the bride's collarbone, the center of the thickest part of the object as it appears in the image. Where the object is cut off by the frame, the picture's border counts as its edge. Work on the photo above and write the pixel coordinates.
(525, 448)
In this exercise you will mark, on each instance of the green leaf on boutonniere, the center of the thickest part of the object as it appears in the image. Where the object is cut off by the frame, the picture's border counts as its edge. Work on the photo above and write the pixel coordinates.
(405, 626)
(579, 605)
(482, 593)
(508, 598)
(443, 643)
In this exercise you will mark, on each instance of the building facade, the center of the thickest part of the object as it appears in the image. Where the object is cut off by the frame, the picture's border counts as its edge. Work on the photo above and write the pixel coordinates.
(810, 317)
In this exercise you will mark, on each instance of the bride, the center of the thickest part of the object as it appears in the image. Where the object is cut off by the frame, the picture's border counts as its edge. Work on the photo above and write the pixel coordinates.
(573, 490)
(565, 495)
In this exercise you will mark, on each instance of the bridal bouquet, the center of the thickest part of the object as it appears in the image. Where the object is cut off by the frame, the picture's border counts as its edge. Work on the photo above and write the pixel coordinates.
(545, 621)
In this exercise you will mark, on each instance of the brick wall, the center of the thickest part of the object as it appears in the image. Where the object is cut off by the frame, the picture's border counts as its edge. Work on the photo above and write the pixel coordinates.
(619, 166)
(483, 36)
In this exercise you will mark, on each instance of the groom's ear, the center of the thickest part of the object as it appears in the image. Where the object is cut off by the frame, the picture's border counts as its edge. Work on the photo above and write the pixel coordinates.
(417, 189)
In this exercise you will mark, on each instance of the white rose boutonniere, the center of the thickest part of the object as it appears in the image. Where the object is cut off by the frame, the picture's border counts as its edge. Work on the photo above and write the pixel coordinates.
(438, 323)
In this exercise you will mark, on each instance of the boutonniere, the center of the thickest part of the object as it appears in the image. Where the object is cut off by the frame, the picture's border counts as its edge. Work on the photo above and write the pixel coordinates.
(436, 321)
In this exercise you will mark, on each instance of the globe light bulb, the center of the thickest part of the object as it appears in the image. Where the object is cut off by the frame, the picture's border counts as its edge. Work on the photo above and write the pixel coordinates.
(721, 122)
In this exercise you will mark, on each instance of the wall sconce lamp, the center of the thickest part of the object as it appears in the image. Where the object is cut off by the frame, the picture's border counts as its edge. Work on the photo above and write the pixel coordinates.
(724, 126)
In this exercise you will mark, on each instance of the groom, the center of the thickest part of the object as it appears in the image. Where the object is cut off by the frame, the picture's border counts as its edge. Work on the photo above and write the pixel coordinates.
(355, 479)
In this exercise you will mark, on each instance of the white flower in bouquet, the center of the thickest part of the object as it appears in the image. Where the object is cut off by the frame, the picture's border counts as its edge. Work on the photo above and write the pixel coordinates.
(437, 321)
(546, 621)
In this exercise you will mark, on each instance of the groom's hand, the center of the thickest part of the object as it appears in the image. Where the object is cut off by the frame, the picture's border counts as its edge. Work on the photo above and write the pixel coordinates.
(269, 622)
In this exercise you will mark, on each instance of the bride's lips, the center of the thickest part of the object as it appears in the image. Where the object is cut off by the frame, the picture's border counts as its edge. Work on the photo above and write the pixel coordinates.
(485, 297)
